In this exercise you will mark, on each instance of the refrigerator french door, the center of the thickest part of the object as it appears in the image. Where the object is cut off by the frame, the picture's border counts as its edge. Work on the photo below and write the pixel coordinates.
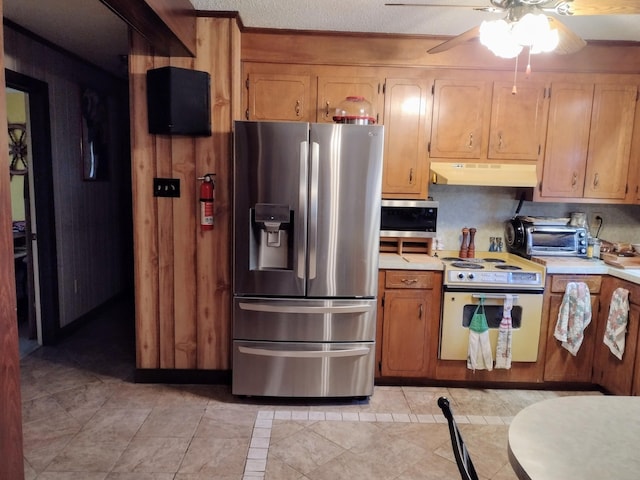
(306, 242)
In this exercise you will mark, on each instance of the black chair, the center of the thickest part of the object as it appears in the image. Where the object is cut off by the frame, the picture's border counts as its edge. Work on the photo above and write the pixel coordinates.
(463, 460)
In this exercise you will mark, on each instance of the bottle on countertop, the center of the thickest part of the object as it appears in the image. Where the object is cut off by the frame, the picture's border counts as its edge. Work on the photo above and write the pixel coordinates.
(590, 247)
(596, 248)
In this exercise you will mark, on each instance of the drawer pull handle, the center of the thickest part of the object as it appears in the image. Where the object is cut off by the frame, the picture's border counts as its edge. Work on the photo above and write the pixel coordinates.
(409, 281)
(420, 311)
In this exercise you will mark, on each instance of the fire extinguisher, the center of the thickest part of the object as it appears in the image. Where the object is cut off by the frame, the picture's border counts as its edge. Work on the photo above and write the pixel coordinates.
(206, 202)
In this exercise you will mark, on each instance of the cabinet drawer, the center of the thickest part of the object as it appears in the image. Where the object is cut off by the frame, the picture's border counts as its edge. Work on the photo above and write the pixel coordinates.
(559, 282)
(409, 279)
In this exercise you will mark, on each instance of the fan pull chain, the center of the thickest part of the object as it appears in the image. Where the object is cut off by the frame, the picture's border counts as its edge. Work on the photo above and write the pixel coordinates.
(529, 63)
(514, 90)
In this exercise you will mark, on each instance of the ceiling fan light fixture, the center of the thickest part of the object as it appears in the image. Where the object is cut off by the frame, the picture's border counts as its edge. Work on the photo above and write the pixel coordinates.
(507, 39)
(496, 36)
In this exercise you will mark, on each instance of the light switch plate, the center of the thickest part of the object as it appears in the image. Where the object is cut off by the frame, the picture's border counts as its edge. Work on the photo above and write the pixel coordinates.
(166, 187)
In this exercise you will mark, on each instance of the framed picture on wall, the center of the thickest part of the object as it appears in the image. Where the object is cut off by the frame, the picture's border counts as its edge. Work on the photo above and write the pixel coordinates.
(95, 136)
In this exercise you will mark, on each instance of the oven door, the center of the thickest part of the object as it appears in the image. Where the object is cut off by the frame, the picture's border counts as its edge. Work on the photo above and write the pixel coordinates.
(459, 306)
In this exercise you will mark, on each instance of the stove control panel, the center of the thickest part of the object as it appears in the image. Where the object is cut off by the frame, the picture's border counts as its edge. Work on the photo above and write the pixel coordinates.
(493, 277)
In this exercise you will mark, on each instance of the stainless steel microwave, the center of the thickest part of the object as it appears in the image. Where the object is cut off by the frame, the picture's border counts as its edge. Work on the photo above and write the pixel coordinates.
(408, 218)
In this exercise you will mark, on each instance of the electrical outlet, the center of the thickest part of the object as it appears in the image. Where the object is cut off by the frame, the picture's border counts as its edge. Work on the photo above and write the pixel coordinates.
(166, 187)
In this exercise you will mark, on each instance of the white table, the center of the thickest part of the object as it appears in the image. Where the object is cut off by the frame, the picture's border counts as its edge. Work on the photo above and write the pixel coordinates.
(577, 437)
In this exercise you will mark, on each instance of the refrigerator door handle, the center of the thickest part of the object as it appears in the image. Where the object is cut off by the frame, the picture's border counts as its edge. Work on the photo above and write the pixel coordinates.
(313, 208)
(350, 352)
(302, 204)
(263, 307)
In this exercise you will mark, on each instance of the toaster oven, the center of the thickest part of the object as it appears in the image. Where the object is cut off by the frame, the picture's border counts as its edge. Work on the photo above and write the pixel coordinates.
(537, 236)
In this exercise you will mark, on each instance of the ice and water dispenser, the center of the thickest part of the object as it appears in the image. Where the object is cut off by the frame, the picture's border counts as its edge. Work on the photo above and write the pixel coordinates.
(271, 246)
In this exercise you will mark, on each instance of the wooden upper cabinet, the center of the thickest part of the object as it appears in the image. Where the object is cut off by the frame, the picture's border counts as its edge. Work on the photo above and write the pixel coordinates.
(460, 118)
(333, 90)
(610, 141)
(405, 144)
(567, 140)
(518, 121)
(588, 143)
(279, 97)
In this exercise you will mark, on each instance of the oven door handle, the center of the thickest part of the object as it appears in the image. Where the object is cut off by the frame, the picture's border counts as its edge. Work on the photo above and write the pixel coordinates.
(497, 296)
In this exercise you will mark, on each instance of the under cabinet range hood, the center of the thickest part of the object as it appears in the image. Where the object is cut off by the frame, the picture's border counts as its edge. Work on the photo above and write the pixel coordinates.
(484, 174)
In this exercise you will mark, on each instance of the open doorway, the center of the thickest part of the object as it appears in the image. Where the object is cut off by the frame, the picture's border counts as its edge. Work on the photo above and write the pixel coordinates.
(32, 210)
(23, 255)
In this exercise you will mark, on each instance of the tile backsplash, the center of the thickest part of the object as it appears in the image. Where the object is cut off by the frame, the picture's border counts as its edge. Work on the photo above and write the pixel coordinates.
(487, 208)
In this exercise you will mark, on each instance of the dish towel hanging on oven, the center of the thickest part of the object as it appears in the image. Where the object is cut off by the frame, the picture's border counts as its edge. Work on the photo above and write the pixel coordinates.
(574, 316)
(479, 354)
(505, 332)
(616, 329)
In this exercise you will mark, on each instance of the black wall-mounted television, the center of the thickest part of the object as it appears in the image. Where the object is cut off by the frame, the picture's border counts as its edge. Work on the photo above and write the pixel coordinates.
(178, 101)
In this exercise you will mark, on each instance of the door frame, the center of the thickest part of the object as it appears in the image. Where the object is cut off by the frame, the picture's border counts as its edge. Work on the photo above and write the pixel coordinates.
(42, 173)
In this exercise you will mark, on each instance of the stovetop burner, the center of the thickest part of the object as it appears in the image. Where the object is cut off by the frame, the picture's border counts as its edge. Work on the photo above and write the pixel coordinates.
(493, 271)
(508, 267)
(468, 265)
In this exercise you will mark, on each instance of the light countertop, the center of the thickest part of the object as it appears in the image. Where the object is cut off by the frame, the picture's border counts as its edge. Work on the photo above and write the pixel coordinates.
(553, 265)
(409, 261)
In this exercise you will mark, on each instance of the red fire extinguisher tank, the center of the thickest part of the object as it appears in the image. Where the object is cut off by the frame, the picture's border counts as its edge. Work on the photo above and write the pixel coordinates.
(206, 203)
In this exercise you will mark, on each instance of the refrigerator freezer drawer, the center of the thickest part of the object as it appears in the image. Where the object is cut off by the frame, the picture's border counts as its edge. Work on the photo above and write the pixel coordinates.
(290, 369)
(304, 320)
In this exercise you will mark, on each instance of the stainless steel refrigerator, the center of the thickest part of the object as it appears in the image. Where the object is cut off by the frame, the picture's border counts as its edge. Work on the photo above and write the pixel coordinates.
(306, 240)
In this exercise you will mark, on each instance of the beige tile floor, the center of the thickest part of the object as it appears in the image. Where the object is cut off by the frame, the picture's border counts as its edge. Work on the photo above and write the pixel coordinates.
(84, 418)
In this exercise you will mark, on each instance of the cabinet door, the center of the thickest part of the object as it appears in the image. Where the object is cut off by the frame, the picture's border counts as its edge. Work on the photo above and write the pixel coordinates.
(610, 141)
(616, 376)
(567, 140)
(560, 365)
(279, 97)
(333, 90)
(405, 333)
(405, 144)
(634, 317)
(460, 120)
(518, 121)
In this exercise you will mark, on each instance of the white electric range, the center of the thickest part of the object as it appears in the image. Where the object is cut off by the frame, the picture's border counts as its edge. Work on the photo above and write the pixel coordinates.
(489, 279)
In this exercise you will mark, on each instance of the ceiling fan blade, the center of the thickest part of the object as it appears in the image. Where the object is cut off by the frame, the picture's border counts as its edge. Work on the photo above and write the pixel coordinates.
(597, 7)
(455, 41)
(569, 42)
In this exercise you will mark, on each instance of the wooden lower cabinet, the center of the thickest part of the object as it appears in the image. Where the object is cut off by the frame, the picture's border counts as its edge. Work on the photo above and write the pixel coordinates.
(620, 377)
(408, 323)
(559, 364)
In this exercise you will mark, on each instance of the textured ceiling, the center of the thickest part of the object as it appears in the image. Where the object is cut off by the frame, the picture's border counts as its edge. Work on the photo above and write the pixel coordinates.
(373, 16)
(91, 31)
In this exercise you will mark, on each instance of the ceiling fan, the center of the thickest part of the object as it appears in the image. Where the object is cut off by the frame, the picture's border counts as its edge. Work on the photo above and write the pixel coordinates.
(515, 10)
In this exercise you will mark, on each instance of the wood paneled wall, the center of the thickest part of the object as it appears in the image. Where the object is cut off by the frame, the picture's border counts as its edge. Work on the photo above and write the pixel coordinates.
(12, 463)
(411, 51)
(167, 24)
(183, 275)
